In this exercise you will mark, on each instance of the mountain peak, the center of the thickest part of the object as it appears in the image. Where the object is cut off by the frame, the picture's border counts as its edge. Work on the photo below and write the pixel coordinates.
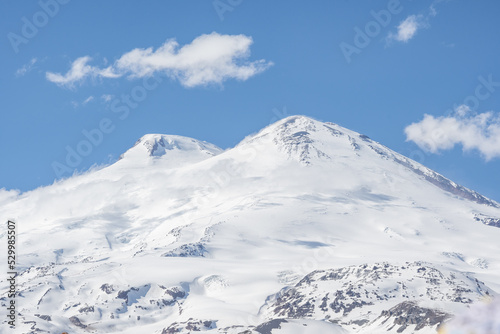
(296, 122)
(176, 150)
(157, 145)
(305, 139)
(311, 142)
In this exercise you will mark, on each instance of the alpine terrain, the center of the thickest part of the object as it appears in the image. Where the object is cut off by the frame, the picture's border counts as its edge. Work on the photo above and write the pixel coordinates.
(304, 227)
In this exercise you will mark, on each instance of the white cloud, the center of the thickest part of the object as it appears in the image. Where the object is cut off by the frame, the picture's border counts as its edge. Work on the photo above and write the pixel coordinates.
(432, 10)
(208, 59)
(462, 110)
(479, 132)
(26, 68)
(78, 72)
(76, 104)
(87, 100)
(408, 28)
(106, 97)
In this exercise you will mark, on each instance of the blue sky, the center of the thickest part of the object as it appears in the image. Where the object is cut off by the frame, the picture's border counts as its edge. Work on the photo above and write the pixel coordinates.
(376, 67)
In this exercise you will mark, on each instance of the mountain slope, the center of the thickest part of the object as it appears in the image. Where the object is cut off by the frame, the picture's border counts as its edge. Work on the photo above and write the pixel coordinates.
(181, 236)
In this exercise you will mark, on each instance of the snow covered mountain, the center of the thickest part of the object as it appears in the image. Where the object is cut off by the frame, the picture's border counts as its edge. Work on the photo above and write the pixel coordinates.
(304, 227)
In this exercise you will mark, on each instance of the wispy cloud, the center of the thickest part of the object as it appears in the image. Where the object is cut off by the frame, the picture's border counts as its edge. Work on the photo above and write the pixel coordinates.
(432, 10)
(408, 28)
(76, 104)
(106, 97)
(479, 132)
(208, 59)
(26, 67)
(88, 99)
(80, 71)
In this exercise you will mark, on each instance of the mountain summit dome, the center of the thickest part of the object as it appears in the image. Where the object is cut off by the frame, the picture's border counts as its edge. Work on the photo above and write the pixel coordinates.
(170, 149)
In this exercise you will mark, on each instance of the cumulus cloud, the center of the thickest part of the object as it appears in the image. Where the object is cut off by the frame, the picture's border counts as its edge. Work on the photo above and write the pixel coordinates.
(26, 68)
(208, 59)
(479, 132)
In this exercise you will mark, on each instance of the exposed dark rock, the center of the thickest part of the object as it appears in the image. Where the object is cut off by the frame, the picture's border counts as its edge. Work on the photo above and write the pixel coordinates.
(176, 292)
(490, 221)
(344, 304)
(360, 322)
(107, 288)
(333, 131)
(409, 313)
(87, 309)
(75, 321)
(188, 250)
(354, 145)
(298, 144)
(365, 138)
(293, 305)
(165, 302)
(123, 294)
(267, 327)
(44, 317)
(190, 326)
